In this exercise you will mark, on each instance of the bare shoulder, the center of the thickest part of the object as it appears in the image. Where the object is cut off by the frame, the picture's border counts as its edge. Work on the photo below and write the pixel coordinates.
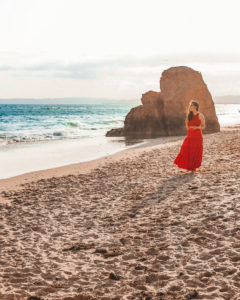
(201, 116)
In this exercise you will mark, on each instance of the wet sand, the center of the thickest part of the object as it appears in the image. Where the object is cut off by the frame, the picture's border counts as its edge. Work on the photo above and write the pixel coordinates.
(48, 154)
(128, 226)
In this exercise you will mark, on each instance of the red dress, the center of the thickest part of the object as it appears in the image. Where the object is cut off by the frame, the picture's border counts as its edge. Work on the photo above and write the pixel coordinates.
(190, 155)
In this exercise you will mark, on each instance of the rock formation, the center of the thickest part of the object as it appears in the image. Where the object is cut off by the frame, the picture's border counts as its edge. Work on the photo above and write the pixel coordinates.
(163, 113)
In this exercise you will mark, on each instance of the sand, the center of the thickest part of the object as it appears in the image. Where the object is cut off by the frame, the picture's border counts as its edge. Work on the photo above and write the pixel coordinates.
(128, 226)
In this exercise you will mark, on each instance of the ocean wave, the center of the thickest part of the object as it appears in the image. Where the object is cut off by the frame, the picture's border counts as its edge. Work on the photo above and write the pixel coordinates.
(46, 136)
(110, 121)
(77, 124)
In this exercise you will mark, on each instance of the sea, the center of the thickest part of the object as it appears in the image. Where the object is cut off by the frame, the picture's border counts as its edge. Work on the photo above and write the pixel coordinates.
(38, 122)
(40, 136)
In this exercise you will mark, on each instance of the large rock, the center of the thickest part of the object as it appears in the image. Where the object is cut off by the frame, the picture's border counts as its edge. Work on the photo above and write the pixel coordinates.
(163, 113)
(146, 120)
(179, 85)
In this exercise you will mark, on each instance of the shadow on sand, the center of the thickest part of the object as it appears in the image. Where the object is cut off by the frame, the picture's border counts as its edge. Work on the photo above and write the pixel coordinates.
(168, 186)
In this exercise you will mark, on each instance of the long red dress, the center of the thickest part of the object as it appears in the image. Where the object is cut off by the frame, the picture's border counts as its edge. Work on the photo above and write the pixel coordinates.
(190, 155)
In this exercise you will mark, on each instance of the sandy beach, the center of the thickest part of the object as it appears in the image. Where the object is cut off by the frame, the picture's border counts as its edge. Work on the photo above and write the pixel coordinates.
(131, 225)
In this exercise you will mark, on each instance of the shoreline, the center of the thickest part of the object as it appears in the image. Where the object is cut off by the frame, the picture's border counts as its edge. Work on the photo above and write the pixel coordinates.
(126, 226)
(85, 167)
(52, 154)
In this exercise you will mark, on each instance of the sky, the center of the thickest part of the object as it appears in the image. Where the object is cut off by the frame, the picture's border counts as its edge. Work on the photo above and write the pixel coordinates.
(115, 49)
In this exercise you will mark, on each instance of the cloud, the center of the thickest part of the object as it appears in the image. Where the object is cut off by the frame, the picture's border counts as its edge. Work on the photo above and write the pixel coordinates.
(6, 68)
(77, 75)
(102, 67)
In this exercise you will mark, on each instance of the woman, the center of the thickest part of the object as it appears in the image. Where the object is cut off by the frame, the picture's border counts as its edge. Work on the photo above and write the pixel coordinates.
(190, 155)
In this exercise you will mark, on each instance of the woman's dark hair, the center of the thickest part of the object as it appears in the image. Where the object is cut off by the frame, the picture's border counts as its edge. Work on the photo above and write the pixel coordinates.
(190, 114)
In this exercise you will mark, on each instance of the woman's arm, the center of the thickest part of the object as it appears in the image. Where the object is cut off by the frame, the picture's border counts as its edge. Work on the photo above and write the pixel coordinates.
(202, 118)
(202, 126)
